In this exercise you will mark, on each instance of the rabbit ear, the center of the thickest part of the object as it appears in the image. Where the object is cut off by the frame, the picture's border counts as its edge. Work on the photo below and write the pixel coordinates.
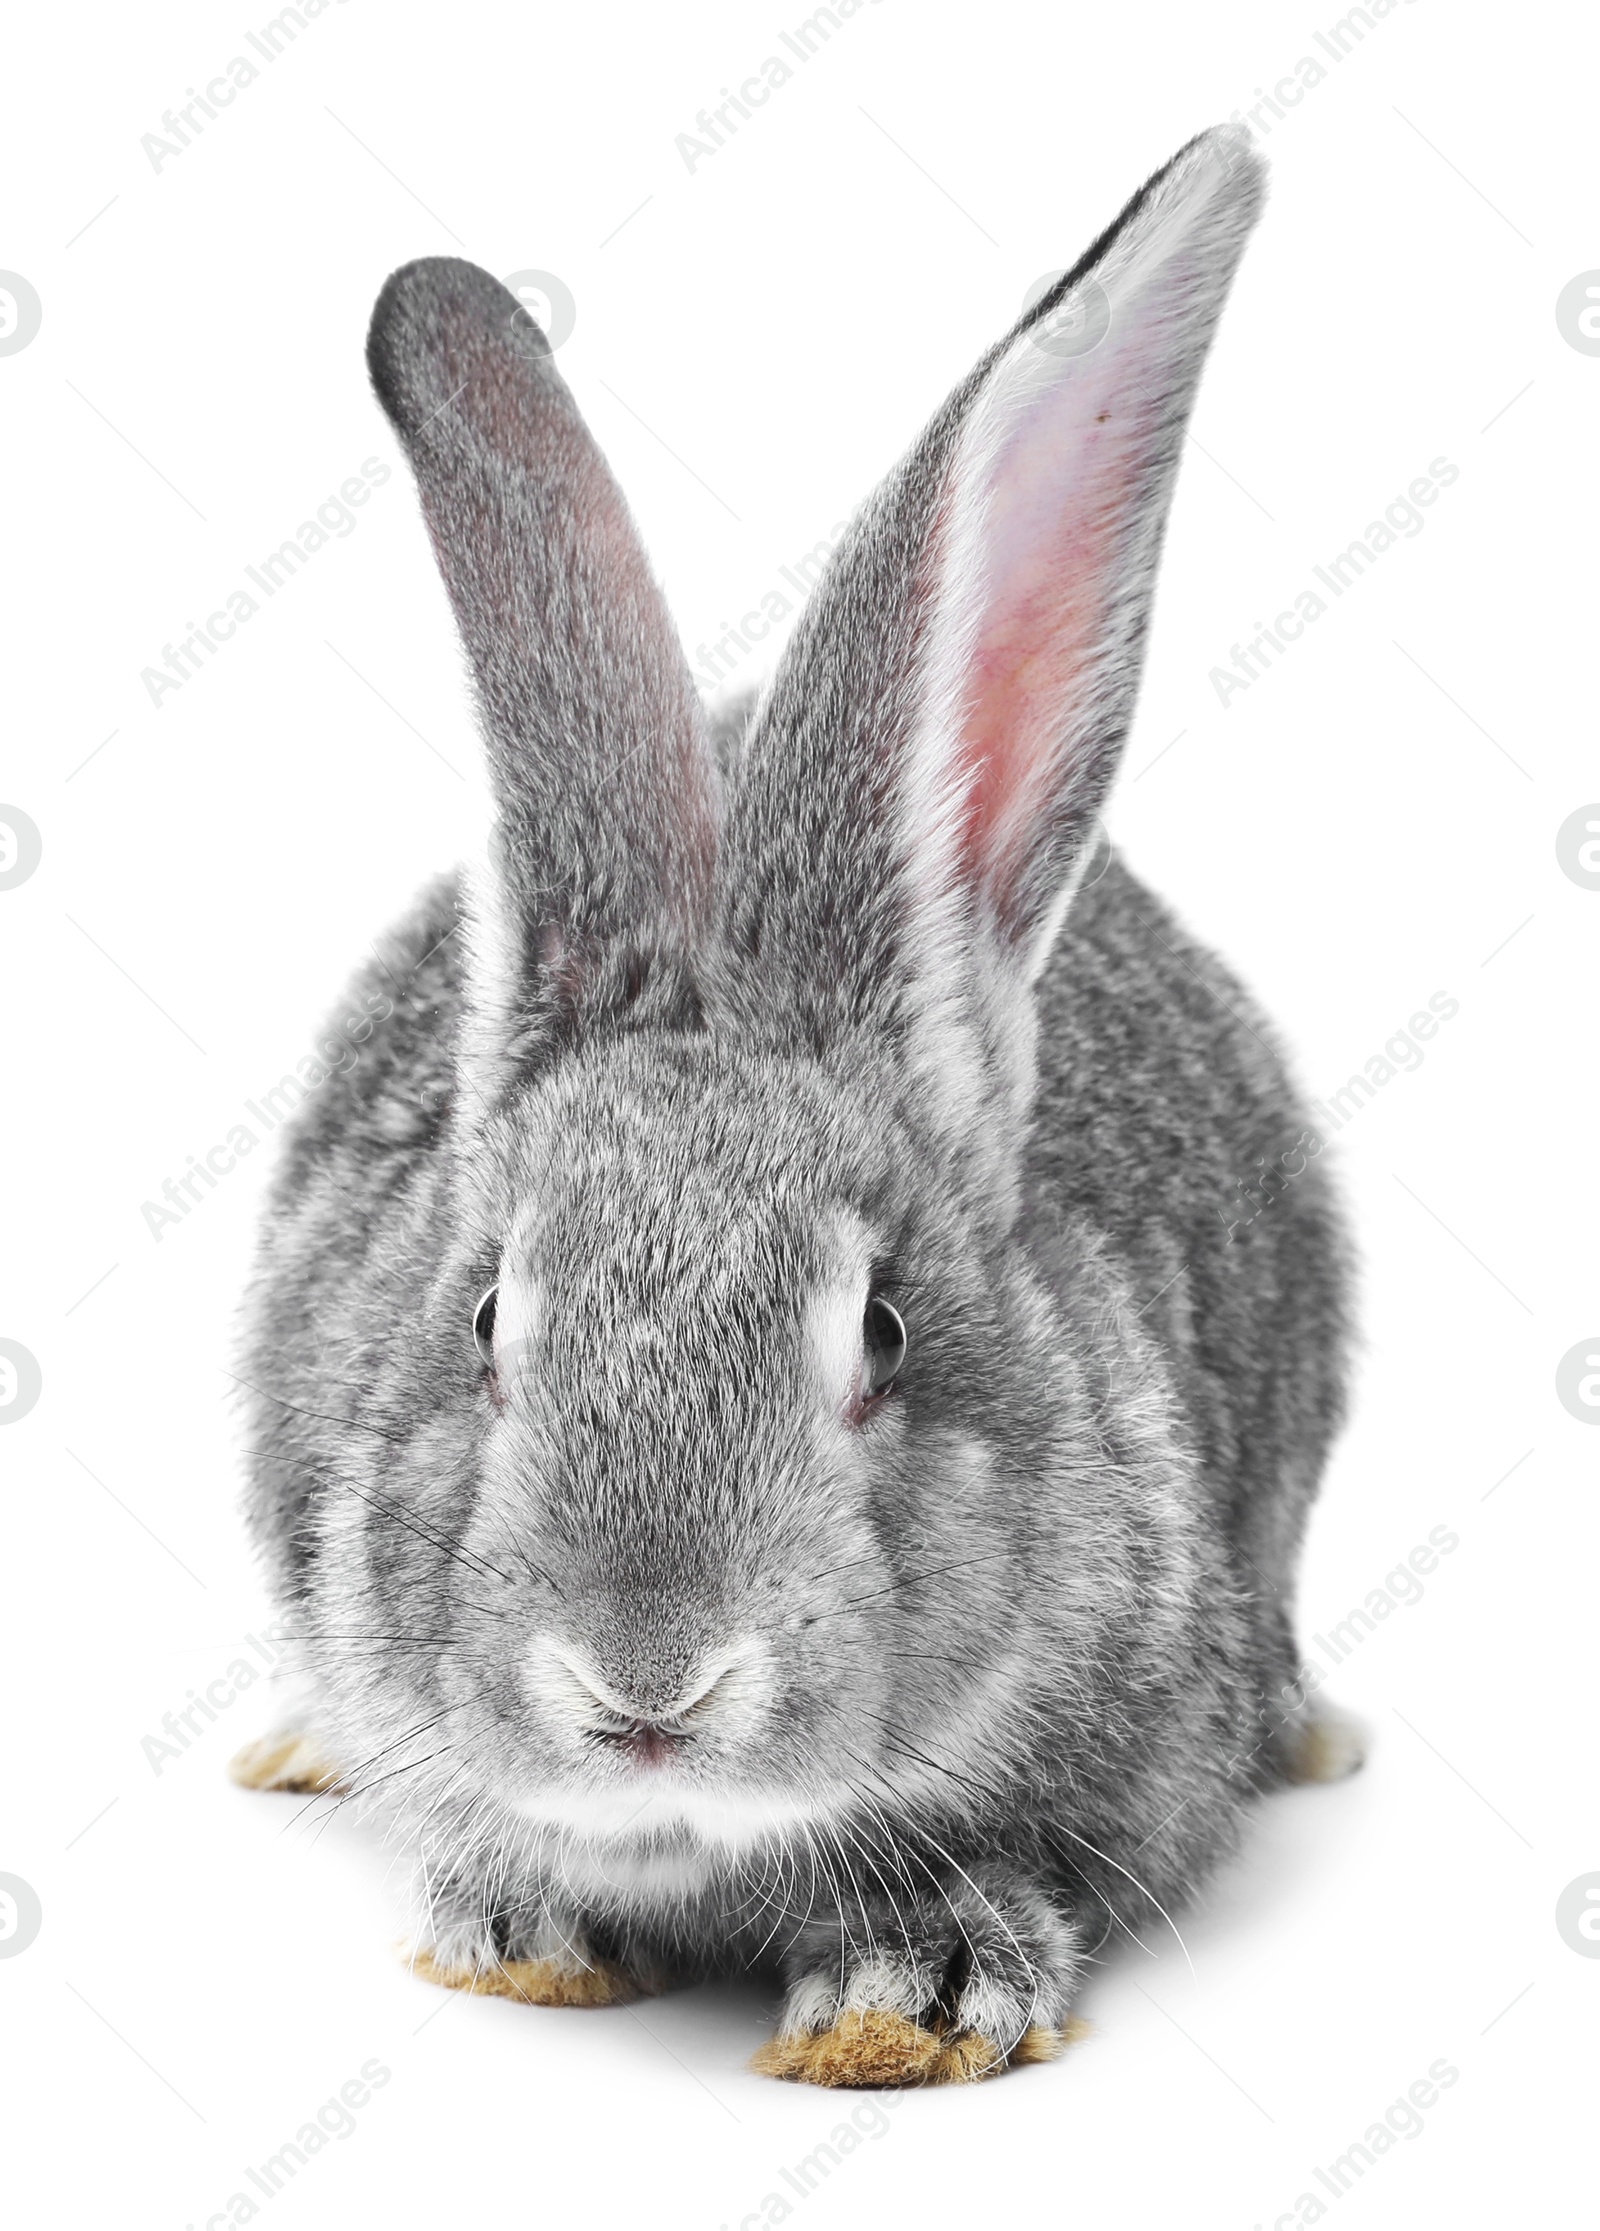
(607, 817)
(919, 792)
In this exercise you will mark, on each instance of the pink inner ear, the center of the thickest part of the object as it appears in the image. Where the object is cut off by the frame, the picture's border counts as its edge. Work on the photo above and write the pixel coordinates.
(1055, 500)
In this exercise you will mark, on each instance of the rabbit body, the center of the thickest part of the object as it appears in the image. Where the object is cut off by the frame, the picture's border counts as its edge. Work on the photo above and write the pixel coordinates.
(669, 1626)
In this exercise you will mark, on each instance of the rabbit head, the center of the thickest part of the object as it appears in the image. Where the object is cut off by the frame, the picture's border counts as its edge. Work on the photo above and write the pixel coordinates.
(779, 1433)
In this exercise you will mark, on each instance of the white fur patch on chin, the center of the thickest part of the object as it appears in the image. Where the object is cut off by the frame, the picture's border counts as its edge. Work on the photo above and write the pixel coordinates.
(663, 1852)
(622, 1822)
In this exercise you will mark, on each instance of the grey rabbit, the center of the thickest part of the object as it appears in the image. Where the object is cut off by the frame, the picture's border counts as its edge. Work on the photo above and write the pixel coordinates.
(777, 1444)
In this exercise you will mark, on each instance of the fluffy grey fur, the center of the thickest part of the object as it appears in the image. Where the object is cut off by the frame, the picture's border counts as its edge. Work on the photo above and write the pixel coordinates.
(657, 1640)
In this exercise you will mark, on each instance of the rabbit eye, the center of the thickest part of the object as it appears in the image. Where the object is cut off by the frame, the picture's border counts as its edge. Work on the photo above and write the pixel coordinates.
(884, 1338)
(483, 1325)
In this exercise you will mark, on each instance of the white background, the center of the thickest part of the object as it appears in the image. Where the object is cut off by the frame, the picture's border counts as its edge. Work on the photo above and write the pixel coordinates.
(1370, 824)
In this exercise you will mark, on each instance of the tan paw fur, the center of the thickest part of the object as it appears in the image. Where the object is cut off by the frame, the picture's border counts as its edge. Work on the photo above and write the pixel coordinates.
(1326, 1748)
(1039, 2044)
(286, 1760)
(867, 2050)
(536, 1982)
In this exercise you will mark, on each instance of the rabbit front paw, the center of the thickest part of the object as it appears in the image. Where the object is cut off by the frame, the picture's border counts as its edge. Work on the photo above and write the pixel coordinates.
(537, 1952)
(1323, 1745)
(926, 1993)
(568, 1978)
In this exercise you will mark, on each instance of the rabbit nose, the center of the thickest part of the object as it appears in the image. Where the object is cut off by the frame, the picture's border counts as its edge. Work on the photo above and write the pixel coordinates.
(647, 1726)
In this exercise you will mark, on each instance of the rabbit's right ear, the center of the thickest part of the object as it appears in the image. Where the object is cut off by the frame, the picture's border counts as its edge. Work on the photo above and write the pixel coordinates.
(918, 796)
(606, 829)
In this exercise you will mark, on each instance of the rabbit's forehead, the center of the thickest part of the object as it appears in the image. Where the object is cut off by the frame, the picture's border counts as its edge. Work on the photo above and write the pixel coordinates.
(652, 1177)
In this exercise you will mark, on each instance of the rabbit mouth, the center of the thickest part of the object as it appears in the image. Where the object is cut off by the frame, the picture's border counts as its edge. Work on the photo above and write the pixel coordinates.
(644, 1743)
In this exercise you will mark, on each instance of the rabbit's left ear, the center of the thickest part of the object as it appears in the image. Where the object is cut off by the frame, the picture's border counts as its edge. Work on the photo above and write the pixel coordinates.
(918, 796)
(605, 829)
